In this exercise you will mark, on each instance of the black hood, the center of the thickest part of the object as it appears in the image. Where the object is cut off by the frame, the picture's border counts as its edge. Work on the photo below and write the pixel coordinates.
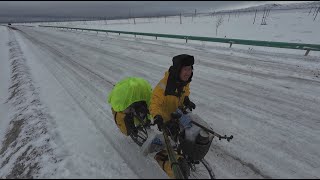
(174, 83)
(178, 62)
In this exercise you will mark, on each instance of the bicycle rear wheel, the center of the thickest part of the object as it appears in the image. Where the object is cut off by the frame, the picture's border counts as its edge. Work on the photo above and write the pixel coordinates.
(202, 170)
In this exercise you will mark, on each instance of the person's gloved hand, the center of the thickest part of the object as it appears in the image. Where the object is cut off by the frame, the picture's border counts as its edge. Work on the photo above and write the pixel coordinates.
(158, 120)
(189, 104)
(172, 127)
(184, 120)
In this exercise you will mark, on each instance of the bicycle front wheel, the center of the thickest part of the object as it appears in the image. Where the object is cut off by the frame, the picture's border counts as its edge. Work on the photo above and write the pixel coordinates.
(202, 170)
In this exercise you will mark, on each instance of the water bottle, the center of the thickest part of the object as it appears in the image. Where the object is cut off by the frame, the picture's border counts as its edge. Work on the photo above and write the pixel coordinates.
(203, 137)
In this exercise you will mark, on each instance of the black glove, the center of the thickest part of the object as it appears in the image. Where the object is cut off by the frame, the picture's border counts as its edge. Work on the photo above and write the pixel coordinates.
(158, 120)
(189, 104)
(173, 127)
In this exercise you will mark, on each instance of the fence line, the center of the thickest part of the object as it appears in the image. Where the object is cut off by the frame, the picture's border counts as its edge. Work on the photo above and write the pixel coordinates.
(301, 46)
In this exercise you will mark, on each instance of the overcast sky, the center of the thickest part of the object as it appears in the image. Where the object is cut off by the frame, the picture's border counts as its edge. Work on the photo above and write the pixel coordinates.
(115, 8)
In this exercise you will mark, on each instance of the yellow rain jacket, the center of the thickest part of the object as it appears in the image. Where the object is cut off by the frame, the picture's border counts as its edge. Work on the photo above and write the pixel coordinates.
(164, 105)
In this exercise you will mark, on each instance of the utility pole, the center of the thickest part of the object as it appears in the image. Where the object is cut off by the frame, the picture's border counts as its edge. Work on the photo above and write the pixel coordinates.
(263, 22)
(315, 10)
(310, 11)
(129, 15)
(255, 14)
(316, 13)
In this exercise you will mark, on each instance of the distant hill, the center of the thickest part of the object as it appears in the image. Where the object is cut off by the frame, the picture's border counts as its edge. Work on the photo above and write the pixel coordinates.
(274, 6)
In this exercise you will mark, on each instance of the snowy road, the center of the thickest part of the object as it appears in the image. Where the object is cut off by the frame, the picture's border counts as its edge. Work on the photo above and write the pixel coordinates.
(269, 102)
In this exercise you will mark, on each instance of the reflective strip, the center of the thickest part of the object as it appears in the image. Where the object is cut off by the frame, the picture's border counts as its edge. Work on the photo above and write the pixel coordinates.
(162, 86)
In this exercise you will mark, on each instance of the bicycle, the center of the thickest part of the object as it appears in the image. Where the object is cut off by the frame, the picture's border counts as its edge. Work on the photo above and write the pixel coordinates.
(192, 143)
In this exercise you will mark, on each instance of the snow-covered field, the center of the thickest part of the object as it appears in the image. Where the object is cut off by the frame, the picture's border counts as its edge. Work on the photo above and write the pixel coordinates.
(293, 26)
(54, 87)
(282, 25)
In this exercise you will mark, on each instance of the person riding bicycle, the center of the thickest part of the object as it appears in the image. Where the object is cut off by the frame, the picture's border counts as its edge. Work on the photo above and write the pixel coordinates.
(169, 94)
(131, 97)
(129, 100)
(172, 92)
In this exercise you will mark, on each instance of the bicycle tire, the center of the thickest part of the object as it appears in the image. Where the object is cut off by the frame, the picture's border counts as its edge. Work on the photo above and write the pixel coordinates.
(202, 170)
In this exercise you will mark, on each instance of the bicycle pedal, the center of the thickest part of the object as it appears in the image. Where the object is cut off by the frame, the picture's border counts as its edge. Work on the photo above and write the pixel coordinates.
(196, 162)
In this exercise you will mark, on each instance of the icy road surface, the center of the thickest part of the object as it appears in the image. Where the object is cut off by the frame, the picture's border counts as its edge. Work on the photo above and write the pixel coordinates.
(269, 102)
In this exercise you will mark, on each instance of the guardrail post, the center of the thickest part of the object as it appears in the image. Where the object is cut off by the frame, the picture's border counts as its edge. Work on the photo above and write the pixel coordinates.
(156, 37)
(135, 35)
(308, 50)
(230, 44)
(186, 39)
(119, 33)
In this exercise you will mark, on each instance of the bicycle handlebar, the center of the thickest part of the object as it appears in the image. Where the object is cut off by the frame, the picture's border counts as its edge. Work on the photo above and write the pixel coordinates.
(212, 132)
(184, 111)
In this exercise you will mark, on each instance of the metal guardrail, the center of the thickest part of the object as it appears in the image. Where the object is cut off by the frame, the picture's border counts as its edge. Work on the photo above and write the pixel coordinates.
(301, 46)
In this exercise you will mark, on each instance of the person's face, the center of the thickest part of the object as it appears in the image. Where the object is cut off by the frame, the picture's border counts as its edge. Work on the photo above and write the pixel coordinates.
(185, 73)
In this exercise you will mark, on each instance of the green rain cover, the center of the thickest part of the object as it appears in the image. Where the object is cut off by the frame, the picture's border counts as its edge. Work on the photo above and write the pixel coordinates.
(128, 91)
